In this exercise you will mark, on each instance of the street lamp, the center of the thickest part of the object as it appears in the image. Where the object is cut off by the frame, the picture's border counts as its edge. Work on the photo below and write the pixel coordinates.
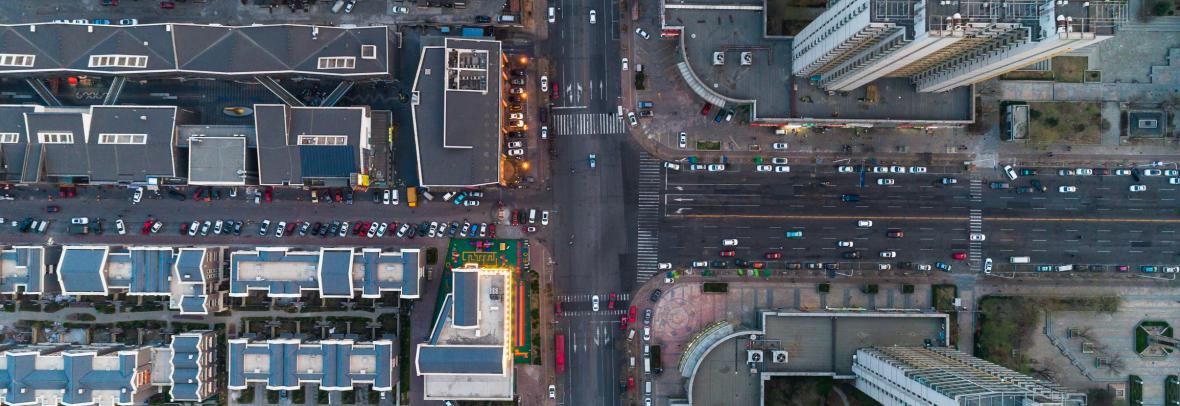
(524, 165)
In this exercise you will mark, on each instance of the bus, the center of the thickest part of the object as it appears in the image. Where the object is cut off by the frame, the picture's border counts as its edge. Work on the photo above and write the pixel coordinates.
(412, 196)
(560, 351)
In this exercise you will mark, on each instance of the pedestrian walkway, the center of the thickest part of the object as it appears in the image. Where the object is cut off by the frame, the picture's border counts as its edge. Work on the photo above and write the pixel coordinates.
(648, 218)
(588, 124)
(976, 254)
(620, 297)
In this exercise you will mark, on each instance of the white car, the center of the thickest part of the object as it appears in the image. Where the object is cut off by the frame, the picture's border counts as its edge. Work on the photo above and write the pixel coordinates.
(888, 254)
(381, 230)
(516, 116)
(1065, 172)
(664, 265)
(925, 267)
(683, 140)
(880, 169)
(1172, 269)
(470, 203)
(119, 225)
(545, 83)
(138, 195)
(864, 223)
(1174, 181)
(217, 226)
(764, 168)
(1152, 172)
(1171, 172)
(780, 146)
(845, 169)
(897, 169)
(280, 229)
(885, 181)
(80, 220)
(1008, 170)
(647, 334)
(672, 165)
(781, 169)
(716, 167)
(386, 196)
(845, 243)
(1122, 172)
(552, 392)
(779, 161)
(631, 119)
(544, 217)
(625, 63)
(372, 230)
(700, 264)
(594, 302)
(729, 242)
(516, 144)
(593, 17)
(987, 265)
(1138, 188)
(193, 227)
(400, 10)
(516, 152)
(640, 32)
(1084, 171)
(917, 169)
(157, 226)
(1067, 189)
(978, 237)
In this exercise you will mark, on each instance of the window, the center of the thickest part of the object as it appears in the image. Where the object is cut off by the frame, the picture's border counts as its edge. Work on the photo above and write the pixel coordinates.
(9, 138)
(118, 61)
(368, 52)
(122, 138)
(323, 140)
(49, 137)
(17, 60)
(337, 62)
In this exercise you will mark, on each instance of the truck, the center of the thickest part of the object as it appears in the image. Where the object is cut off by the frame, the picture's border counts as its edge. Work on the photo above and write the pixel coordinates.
(412, 196)
(79, 229)
(559, 347)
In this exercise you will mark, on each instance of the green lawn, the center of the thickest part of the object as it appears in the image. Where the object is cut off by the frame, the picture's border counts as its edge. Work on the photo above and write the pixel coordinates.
(1054, 123)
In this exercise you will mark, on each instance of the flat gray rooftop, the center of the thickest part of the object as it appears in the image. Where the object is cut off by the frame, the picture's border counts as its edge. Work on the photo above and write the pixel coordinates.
(217, 161)
(818, 344)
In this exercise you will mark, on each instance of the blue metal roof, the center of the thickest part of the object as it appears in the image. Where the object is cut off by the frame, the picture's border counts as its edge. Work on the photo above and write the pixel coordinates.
(150, 269)
(336, 272)
(466, 307)
(460, 360)
(80, 270)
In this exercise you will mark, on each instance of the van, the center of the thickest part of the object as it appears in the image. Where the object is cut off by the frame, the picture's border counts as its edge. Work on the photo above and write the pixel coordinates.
(552, 15)
(1064, 268)
(632, 359)
(507, 18)
(647, 388)
(427, 195)
(1020, 260)
(646, 350)
(41, 228)
(646, 365)
(394, 197)
(639, 67)
(532, 216)
(620, 112)
(339, 5)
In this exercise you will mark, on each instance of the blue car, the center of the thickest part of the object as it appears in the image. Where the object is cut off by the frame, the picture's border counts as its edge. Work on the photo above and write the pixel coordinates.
(100, 21)
(593, 160)
(943, 266)
(459, 198)
(1147, 268)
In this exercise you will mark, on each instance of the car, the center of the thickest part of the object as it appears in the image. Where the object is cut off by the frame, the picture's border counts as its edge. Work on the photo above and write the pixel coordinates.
(483, 230)
(516, 123)
(626, 63)
(1067, 189)
(1065, 172)
(122, 227)
(773, 255)
(516, 152)
(639, 31)
(52, 208)
(470, 203)
(959, 256)
(987, 265)
(100, 21)
(263, 228)
(593, 16)
(1036, 184)
(655, 296)
(895, 233)
(631, 119)
(280, 229)
(1084, 171)
(1010, 172)
(978, 237)
(394, 9)
(917, 169)
(794, 234)
(386, 196)
(845, 243)
(1000, 185)
(779, 161)
(949, 181)
(880, 169)
(610, 303)
(516, 116)
(864, 223)
(764, 168)
(720, 116)
(594, 302)
(697, 167)
(303, 228)
(1171, 172)
(924, 267)
(157, 226)
(897, 169)
(1122, 172)
(851, 255)
(192, 228)
(942, 266)
(850, 198)
(1148, 268)
(845, 169)
(729, 115)
(727, 253)
(781, 169)
(1028, 172)
(682, 140)
(1152, 172)
(780, 146)
(552, 392)
(372, 230)
(128, 21)
(729, 242)
(544, 83)
(80, 220)
(137, 196)
(147, 227)
(217, 226)
(1137, 188)
(885, 181)
(716, 167)
(545, 217)
(1172, 269)
(1174, 181)
(888, 254)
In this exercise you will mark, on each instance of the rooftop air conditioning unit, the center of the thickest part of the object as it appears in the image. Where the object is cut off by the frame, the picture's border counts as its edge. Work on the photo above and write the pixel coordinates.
(747, 58)
(778, 356)
(718, 58)
(753, 355)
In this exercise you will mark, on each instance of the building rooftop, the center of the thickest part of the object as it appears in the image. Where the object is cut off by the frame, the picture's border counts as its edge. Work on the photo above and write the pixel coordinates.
(89, 374)
(22, 269)
(182, 274)
(12, 154)
(311, 145)
(457, 121)
(80, 270)
(217, 161)
(192, 49)
(335, 364)
(333, 272)
(471, 360)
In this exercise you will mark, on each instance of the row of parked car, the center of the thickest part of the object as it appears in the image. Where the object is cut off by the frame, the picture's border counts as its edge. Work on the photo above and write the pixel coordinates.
(370, 229)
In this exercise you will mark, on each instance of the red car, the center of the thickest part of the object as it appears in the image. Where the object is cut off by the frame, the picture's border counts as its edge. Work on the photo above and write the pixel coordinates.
(630, 382)
(1124, 268)
(183, 228)
(557, 309)
(774, 255)
(338, 196)
(268, 194)
(358, 228)
(554, 93)
(705, 109)
(491, 231)
(728, 253)
(895, 234)
(197, 194)
(147, 227)
(515, 217)
(610, 304)
(631, 314)
(960, 256)
(623, 323)
(167, 5)
(757, 265)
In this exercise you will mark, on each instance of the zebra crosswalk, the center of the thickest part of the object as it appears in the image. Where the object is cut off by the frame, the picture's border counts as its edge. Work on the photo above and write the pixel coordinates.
(650, 206)
(588, 124)
(976, 253)
(620, 297)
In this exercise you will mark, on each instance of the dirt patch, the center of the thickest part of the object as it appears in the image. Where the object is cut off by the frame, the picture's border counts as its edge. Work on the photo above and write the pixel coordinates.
(1054, 123)
(1069, 69)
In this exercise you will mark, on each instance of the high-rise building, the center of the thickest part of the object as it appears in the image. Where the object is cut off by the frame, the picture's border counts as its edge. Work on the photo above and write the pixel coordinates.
(944, 377)
(944, 44)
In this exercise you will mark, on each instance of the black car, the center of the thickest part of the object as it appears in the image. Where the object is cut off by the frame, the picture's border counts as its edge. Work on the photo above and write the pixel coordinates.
(655, 295)
(335, 228)
(517, 134)
(740, 263)
(483, 19)
(794, 265)
(229, 227)
(453, 230)
(717, 264)
(851, 255)
(315, 229)
(518, 72)
(303, 228)
(513, 98)
(1036, 184)
(176, 195)
(423, 228)
(237, 228)
(25, 224)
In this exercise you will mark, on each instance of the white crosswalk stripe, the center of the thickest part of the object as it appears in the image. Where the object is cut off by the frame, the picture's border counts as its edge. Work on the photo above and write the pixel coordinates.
(602, 312)
(975, 255)
(602, 297)
(588, 124)
(648, 218)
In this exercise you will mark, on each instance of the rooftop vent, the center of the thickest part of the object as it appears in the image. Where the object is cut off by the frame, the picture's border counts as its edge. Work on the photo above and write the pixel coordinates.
(778, 356)
(747, 58)
(718, 58)
(753, 355)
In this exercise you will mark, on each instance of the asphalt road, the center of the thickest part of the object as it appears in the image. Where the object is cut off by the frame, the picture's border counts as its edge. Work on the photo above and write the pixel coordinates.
(593, 256)
(1103, 223)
